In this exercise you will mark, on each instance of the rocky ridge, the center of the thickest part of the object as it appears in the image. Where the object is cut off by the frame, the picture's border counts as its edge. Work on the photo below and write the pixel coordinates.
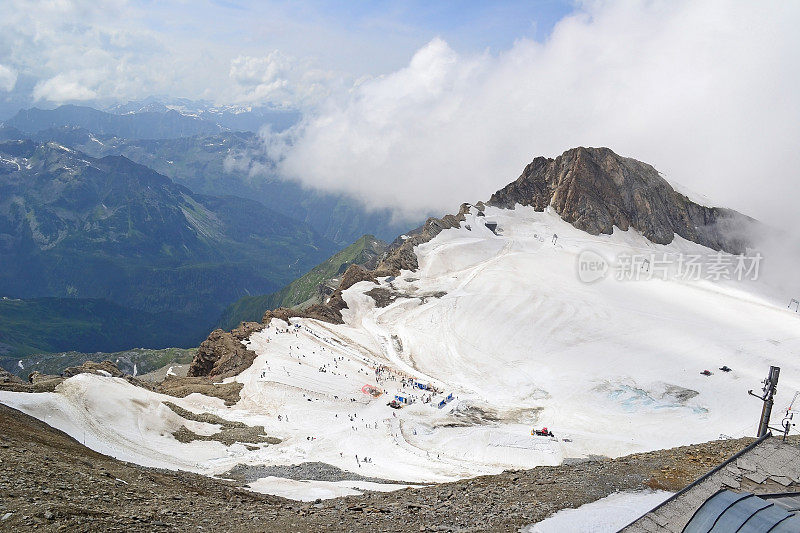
(39, 382)
(222, 354)
(176, 386)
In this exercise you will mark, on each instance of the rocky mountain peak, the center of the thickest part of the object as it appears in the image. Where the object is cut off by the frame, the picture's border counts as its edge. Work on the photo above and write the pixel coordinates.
(596, 189)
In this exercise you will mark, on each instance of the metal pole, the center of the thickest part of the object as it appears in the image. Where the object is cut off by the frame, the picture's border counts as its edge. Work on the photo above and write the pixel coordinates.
(787, 425)
(770, 387)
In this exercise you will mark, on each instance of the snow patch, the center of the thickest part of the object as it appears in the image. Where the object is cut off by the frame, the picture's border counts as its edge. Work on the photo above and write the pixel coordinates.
(606, 515)
(308, 491)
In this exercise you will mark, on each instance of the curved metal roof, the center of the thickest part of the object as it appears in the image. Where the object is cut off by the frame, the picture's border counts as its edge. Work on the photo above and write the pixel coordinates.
(728, 511)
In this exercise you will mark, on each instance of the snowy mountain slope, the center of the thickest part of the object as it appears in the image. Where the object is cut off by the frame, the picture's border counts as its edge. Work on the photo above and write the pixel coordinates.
(505, 324)
(517, 329)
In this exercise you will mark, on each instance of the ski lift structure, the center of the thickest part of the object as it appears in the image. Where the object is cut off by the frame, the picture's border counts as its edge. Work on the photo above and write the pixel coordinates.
(770, 387)
(787, 423)
(796, 303)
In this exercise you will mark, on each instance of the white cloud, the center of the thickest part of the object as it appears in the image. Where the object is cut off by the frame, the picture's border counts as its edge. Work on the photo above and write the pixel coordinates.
(63, 88)
(8, 78)
(122, 50)
(75, 51)
(703, 90)
(278, 78)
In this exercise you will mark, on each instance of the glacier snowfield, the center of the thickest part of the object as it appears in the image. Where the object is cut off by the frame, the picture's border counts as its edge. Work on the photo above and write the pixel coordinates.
(503, 323)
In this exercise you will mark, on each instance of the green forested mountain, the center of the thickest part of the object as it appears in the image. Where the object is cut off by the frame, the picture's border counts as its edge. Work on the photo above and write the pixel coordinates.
(76, 226)
(365, 251)
(43, 325)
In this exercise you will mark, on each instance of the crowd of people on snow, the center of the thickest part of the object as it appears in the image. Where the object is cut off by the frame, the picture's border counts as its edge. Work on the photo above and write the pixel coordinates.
(407, 386)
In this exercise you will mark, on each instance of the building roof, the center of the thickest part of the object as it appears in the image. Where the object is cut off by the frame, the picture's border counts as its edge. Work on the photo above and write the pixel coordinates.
(765, 468)
(746, 513)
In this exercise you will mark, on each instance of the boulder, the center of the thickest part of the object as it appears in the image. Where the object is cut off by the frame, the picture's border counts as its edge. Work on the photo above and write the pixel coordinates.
(222, 354)
(182, 387)
(355, 274)
(327, 313)
(282, 313)
(245, 329)
(105, 368)
(42, 382)
(7, 377)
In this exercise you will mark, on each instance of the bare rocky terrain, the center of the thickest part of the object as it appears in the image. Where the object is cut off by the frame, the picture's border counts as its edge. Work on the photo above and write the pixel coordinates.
(50, 482)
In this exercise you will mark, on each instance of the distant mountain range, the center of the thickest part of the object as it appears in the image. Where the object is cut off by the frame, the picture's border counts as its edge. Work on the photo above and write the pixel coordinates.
(234, 118)
(149, 214)
(76, 226)
(214, 162)
(145, 125)
(153, 119)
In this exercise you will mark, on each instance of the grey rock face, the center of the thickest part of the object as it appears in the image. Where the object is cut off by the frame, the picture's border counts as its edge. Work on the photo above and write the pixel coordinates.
(595, 189)
(401, 256)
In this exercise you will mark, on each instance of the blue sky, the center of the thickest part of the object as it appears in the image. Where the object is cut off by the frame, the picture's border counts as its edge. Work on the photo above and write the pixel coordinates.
(367, 37)
(79, 50)
(471, 24)
(466, 25)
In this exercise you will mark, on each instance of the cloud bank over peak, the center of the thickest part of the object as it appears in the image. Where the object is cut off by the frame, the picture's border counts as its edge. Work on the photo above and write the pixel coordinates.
(64, 88)
(703, 90)
(8, 78)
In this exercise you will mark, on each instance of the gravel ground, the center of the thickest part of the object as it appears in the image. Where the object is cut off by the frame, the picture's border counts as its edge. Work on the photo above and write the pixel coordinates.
(314, 471)
(50, 482)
